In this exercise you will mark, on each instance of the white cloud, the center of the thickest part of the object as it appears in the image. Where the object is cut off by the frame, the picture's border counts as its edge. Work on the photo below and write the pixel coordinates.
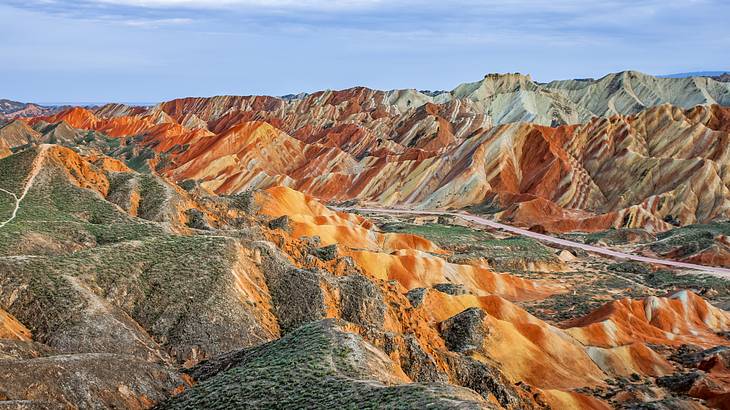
(152, 23)
(333, 5)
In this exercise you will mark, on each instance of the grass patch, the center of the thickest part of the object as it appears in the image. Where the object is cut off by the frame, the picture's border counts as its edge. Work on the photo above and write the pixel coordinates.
(672, 281)
(65, 215)
(467, 244)
(316, 366)
(690, 239)
(14, 170)
(441, 234)
(7, 204)
(619, 236)
(152, 198)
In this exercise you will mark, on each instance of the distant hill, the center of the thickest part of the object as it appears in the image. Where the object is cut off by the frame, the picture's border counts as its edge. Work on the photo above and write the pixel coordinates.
(697, 74)
(8, 106)
(13, 109)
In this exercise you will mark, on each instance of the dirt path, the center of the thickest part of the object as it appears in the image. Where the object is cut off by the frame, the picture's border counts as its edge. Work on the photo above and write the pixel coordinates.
(34, 170)
(716, 271)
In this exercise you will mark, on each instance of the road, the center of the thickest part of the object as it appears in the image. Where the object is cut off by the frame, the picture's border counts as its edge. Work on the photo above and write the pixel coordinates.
(716, 271)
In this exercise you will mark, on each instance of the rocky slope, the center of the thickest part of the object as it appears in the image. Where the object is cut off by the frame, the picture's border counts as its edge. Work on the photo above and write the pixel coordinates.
(121, 289)
(629, 92)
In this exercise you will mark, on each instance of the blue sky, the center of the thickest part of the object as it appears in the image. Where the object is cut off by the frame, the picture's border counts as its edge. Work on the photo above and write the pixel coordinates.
(152, 50)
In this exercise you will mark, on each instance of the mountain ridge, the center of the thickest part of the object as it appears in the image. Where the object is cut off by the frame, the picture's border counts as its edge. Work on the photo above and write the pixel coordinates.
(399, 148)
(509, 83)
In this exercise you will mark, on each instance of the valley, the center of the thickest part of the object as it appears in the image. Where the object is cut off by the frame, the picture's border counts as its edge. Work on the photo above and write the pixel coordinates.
(719, 271)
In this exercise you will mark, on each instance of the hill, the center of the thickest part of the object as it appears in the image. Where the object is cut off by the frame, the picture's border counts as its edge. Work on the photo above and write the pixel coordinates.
(123, 289)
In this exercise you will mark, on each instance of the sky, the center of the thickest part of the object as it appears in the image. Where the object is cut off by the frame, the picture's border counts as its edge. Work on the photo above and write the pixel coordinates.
(155, 50)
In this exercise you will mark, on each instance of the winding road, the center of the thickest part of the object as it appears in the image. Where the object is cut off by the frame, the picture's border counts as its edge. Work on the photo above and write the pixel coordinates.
(716, 271)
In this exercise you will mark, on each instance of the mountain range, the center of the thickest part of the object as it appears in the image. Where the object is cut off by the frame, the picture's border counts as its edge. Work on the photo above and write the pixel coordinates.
(566, 155)
(232, 251)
